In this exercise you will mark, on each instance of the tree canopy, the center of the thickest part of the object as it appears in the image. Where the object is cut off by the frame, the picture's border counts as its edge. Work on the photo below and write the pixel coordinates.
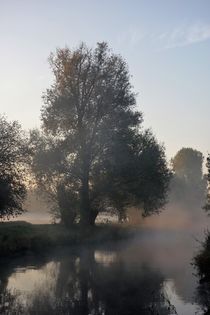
(92, 148)
(12, 159)
(187, 164)
(189, 184)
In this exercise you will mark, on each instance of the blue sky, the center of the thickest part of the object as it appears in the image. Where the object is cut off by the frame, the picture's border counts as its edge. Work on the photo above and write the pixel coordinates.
(166, 44)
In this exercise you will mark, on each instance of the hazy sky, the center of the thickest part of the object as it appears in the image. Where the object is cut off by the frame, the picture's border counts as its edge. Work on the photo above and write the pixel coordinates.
(166, 44)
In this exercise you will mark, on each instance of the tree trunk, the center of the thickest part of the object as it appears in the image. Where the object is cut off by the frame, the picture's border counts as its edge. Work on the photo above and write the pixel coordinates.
(87, 215)
(85, 202)
(93, 215)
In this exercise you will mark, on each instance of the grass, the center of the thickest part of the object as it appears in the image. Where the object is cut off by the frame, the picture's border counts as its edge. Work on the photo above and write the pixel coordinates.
(20, 236)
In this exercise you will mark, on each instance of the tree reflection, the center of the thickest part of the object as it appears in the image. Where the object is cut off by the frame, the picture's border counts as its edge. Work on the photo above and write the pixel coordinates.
(203, 296)
(83, 284)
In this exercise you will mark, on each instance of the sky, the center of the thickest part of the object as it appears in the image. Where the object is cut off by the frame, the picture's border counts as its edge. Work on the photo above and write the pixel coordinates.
(166, 44)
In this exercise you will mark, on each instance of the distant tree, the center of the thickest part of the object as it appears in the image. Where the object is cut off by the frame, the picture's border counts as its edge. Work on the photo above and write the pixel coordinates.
(92, 148)
(207, 205)
(13, 155)
(188, 183)
(187, 164)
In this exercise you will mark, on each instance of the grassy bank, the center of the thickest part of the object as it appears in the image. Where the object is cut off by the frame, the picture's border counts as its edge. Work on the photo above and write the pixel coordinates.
(18, 237)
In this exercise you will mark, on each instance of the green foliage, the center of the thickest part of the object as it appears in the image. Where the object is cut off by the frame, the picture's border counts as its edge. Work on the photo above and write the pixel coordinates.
(18, 237)
(13, 158)
(92, 144)
(133, 172)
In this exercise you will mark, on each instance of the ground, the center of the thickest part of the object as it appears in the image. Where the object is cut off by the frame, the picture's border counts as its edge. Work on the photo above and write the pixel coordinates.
(19, 236)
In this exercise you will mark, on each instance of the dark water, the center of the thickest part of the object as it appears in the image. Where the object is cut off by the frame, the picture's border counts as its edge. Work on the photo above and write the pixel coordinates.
(150, 274)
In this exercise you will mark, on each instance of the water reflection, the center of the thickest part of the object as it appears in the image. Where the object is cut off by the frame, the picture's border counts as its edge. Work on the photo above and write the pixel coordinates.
(148, 275)
(203, 293)
(105, 257)
(91, 282)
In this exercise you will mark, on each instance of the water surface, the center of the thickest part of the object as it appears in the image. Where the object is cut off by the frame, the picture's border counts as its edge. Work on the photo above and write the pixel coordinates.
(150, 274)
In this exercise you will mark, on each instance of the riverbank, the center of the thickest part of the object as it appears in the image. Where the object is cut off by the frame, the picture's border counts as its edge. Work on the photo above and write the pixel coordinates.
(20, 236)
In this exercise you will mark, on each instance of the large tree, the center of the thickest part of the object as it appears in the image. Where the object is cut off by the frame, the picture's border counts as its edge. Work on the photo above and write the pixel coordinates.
(13, 156)
(92, 142)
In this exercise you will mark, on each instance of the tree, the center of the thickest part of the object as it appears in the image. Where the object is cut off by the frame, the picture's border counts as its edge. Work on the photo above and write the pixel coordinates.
(188, 184)
(92, 142)
(207, 205)
(187, 164)
(12, 159)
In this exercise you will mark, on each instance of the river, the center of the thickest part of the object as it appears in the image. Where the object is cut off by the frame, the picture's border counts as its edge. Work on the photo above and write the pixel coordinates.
(150, 274)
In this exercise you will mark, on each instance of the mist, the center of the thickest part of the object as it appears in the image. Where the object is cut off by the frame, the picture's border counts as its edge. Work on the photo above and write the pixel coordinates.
(96, 219)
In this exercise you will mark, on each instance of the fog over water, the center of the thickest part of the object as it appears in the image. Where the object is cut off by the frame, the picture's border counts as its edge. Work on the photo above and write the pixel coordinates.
(160, 255)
